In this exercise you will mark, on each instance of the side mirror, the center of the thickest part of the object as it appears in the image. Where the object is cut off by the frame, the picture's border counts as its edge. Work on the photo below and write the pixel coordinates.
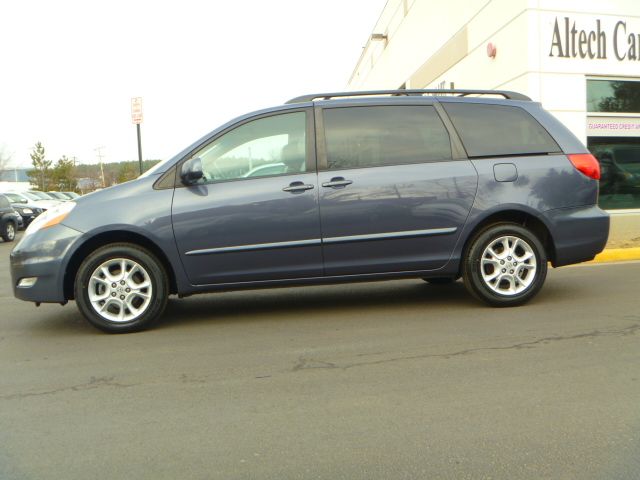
(191, 171)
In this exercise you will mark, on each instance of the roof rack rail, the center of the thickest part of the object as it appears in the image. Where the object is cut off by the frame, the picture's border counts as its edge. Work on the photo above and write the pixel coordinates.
(413, 92)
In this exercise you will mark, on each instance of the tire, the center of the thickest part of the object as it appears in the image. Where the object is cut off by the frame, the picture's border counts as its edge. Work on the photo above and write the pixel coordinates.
(505, 265)
(118, 303)
(9, 232)
(440, 280)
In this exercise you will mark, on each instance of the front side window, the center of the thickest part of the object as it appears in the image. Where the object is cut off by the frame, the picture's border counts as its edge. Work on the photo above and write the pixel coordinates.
(268, 146)
(495, 130)
(359, 137)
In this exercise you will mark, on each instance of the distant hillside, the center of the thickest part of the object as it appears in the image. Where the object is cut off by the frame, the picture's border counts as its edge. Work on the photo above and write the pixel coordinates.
(113, 170)
(87, 177)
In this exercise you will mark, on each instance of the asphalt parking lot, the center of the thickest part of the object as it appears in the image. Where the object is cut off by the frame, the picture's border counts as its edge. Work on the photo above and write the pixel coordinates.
(376, 380)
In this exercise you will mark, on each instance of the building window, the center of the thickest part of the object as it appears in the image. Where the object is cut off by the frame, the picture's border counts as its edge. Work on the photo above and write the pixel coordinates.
(613, 96)
(619, 159)
(614, 126)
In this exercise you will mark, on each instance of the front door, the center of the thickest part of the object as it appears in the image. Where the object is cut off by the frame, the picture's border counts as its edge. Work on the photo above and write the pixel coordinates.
(254, 215)
(392, 196)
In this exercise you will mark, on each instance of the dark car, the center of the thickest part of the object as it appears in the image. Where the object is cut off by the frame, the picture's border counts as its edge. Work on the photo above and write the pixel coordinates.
(28, 211)
(426, 184)
(10, 220)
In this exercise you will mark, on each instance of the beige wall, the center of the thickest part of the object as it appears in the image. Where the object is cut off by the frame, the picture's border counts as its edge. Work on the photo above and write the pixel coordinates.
(432, 44)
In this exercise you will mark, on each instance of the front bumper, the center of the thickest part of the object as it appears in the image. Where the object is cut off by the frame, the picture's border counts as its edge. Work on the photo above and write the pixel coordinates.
(579, 234)
(44, 255)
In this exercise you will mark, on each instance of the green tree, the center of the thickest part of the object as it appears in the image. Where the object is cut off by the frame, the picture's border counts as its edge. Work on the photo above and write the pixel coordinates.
(126, 172)
(63, 176)
(40, 175)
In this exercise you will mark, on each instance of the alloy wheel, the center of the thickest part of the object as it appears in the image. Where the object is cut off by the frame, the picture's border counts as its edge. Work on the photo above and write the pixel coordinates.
(508, 265)
(120, 290)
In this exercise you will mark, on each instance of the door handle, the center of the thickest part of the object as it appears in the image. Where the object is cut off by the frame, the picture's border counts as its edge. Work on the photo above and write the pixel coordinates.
(337, 182)
(297, 187)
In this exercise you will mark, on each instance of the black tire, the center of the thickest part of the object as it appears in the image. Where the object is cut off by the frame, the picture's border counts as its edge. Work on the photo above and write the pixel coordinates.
(9, 231)
(153, 271)
(472, 272)
(440, 280)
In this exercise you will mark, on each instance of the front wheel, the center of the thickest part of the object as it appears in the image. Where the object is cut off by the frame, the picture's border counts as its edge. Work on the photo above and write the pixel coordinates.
(121, 288)
(505, 265)
(9, 232)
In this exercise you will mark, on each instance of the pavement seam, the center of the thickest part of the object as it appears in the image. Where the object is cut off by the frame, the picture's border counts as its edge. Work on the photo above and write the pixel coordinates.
(311, 364)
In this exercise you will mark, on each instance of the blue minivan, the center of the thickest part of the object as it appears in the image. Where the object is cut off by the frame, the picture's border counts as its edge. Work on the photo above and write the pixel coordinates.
(337, 187)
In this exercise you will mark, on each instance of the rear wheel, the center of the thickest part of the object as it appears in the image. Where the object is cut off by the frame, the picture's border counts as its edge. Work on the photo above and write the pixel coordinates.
(121, 288)
(9, 232)
(505, 265)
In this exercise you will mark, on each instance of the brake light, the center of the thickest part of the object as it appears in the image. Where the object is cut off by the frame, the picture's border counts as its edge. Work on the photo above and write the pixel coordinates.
(586, 163)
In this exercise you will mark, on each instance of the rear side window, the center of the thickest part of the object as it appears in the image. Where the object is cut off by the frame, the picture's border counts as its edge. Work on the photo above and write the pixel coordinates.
(358, 137)
(495, 130)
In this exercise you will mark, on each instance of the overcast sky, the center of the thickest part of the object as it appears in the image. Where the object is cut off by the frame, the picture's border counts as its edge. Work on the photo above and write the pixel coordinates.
(70, 68)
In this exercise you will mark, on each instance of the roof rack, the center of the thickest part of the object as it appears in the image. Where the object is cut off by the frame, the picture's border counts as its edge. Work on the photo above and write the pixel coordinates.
(414, 92)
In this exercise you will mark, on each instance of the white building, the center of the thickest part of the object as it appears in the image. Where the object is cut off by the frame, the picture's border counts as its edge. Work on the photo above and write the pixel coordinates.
(579, 58)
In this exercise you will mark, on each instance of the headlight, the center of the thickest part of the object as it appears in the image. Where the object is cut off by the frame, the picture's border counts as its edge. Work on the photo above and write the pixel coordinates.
(51, 217)
(28, 211)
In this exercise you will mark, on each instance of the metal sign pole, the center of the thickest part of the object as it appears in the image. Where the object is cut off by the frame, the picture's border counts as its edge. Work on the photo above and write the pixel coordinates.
(139, 148)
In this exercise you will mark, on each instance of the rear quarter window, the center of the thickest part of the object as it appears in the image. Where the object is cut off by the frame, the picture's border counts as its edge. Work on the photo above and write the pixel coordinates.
(499, 130)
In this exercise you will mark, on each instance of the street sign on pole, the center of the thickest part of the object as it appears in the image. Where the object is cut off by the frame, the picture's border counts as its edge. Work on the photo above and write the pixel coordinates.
(136, 110)
(136, 118)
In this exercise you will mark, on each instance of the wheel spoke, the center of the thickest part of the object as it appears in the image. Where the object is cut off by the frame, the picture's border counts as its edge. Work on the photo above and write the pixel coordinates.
(107, 274)
(492, 261)
(98, 297)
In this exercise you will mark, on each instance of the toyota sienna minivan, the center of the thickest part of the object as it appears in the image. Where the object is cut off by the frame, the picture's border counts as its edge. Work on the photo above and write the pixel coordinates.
(337, 187)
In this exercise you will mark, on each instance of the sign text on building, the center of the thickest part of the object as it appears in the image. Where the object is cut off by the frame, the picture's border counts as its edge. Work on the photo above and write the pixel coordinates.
(568, 41)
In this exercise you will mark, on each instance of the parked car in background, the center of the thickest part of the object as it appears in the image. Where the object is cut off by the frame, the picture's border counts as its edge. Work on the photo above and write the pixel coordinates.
(52, 201)
(10, 220)
(429, 184)
(59, 196)
(28, 211)
(71, 195)
(37, 200)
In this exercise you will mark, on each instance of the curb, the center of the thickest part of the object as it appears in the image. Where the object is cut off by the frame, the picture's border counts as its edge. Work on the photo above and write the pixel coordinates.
(617, 255)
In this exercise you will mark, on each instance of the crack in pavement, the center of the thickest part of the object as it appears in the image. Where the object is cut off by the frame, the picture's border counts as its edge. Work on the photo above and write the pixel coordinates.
(94, 382)
(310, 363)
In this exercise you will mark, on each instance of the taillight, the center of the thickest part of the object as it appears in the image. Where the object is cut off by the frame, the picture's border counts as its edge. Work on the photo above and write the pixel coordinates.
(586, 163)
